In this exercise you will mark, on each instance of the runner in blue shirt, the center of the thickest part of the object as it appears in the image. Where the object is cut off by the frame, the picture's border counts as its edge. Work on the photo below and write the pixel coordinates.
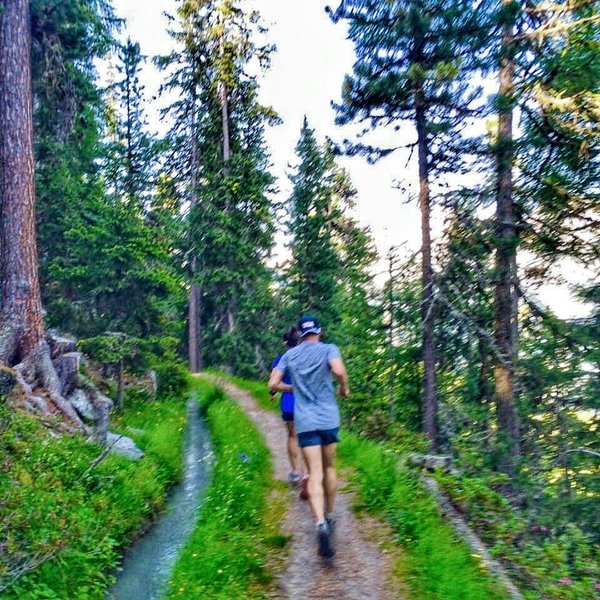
(290, 339)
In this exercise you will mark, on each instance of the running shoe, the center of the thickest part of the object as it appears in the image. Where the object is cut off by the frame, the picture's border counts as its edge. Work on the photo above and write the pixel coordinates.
(325, 549)
(330, 518)
(294, 478)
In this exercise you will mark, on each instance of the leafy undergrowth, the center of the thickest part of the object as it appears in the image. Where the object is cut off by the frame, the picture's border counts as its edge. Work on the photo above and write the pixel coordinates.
(435, 564)
(227, 555)
(548, 559)
(67, 521)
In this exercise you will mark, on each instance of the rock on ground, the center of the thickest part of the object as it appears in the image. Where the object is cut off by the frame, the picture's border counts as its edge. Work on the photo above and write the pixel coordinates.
(120, 444)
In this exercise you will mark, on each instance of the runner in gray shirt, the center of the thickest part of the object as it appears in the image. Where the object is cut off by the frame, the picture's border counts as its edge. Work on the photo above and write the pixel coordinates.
(311, 365)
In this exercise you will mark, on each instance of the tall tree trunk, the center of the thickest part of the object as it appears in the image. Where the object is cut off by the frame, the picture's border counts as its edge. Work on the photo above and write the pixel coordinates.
(22, 342)
(392, 366)
(22, 324)
(506, 248)
(225, 126)
(429, 382)
(195, 296)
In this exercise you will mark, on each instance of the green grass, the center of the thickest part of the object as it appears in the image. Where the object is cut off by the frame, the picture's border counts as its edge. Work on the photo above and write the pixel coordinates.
(435, 564)
(54, 506)
(227, 555)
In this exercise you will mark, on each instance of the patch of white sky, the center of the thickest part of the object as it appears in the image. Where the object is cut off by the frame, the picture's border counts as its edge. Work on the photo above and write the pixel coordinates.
(306, 75)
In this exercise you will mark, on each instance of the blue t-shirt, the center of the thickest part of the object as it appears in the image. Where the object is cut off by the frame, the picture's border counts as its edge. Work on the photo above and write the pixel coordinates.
(308, 366)
(287, 398)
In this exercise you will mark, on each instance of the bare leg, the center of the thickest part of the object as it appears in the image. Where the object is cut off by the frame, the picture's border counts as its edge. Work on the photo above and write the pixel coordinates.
(292, 448)
(314, 461)
(330, 478)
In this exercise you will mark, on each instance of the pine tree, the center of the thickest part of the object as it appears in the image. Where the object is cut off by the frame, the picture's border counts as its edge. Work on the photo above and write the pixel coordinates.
(412, 66)
(315, 210)
(67, 38)
(218, 143)
(531, 56)
(131, 151)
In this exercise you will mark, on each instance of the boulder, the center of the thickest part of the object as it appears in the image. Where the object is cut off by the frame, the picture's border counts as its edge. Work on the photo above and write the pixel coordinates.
(81, 402)
(93, 408)
(60, 345)
(102, 407)
(67, 368)
(120, 444)
(432, 462)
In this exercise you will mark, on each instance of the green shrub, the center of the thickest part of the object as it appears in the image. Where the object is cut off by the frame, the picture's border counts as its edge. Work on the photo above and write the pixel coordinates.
(173, 379)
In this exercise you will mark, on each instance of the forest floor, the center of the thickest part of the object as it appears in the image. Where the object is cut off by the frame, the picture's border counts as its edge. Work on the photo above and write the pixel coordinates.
(361, 569)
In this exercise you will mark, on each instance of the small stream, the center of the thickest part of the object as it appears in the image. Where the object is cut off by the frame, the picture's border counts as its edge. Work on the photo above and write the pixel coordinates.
(148, 564)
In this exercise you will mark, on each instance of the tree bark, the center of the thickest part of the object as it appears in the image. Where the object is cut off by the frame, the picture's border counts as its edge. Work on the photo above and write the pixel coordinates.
(195, 295)
(429, 358)
(194, 345)
(22, 342)
(505, 259)
(20, 296)
(391, 352)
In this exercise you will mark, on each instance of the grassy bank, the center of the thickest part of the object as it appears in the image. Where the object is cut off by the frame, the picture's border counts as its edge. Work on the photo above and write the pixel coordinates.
(62, 522)
(435, 564)
(228, 553)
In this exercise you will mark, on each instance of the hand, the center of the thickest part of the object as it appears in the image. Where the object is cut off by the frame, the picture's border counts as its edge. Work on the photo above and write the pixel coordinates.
(344, 391)
(273, 396)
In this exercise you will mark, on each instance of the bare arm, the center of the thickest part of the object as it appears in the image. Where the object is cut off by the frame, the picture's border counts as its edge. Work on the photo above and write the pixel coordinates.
(276, 382)
(339, 372)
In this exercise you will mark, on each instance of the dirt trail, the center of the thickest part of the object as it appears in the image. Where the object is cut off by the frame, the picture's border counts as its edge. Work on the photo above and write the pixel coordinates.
(359, 570)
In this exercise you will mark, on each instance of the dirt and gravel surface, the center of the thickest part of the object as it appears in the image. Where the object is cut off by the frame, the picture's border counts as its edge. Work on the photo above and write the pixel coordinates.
(360, 570)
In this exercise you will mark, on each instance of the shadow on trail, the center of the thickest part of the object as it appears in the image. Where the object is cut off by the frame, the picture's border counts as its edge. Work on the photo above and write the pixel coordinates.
(148, 564)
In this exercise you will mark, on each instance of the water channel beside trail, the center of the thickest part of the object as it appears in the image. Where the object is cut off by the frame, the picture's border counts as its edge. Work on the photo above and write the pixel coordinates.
(148, 564)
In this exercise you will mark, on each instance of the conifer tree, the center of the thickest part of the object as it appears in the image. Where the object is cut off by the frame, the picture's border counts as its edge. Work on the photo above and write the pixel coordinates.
(22, 343)
(312, 281)
(131, 151)
(218, 143)
(535, 59)
(412, 66)
(329, 273)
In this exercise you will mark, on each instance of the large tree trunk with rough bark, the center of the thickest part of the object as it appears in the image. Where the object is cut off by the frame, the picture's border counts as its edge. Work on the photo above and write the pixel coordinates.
(506, 247)
(22, 324)
(22, 343)
(429, 359)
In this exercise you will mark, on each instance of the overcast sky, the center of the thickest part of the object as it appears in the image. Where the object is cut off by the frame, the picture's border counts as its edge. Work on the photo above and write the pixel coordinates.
(307, 72)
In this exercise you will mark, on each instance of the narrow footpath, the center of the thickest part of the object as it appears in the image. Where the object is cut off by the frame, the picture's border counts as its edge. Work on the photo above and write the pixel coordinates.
(359, 570)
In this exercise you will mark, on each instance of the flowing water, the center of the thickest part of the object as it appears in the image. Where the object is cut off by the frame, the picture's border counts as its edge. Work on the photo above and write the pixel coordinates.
(148, 564)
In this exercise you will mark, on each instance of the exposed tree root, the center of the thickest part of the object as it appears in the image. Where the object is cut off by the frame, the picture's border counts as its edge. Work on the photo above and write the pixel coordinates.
(39, 389)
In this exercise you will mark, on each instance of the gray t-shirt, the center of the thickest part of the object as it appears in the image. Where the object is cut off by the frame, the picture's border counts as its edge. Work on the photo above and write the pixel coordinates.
(308, 366)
